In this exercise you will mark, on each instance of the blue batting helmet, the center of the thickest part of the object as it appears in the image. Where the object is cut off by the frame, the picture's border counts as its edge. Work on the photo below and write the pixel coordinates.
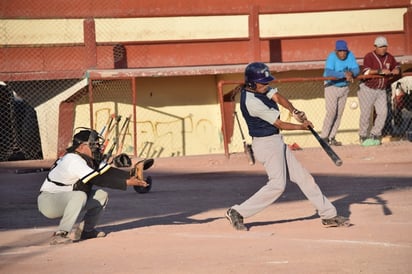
(257, 72)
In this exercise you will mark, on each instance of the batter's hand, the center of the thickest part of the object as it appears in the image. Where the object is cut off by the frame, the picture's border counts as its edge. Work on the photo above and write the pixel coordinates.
(299, 116)
(306, 124)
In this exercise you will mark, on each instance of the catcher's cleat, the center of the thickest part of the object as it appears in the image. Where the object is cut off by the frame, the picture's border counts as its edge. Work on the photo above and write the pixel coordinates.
(235, 219)
(337, 221)
(60, 237)
(144, 189)
(92, 234)
(81, 234)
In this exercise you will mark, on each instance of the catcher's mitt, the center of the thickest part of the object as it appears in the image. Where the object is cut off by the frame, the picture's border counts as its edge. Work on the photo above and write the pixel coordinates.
(299, 116)
(144, 189)
(137, 170)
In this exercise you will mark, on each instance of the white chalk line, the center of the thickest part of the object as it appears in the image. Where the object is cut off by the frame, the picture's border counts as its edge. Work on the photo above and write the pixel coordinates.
(248, 235)
(355, 242)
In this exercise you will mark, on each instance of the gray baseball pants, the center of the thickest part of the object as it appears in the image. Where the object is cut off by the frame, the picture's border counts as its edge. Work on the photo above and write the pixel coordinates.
(70, 204)
(368, 100)
(277, 160)
(335, 100)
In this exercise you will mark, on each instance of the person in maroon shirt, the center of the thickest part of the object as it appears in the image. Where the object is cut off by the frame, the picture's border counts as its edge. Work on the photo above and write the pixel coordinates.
(372, 92)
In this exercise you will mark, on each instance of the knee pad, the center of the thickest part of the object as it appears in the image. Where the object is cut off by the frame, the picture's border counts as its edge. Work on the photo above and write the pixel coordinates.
(101, 196)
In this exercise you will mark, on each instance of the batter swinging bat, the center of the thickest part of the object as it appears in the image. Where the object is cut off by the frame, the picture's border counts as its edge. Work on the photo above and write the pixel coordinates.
(335, 158)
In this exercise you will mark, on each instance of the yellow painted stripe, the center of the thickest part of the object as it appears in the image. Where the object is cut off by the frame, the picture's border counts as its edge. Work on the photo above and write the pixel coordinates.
(48, 31)
(172, 28)
(335, 22)
(66, 31)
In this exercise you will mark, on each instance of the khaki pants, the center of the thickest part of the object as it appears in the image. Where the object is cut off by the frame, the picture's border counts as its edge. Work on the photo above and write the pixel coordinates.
(335, 100)
(369, 100)
(68, 206)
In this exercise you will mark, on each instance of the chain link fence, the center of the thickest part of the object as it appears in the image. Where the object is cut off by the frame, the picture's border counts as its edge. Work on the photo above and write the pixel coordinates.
(308, 95)
(38, 115)
(38, 118)
(27, 117)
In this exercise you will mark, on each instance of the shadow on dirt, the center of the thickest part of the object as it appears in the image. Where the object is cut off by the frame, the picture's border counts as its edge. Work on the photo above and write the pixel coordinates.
(176, 198)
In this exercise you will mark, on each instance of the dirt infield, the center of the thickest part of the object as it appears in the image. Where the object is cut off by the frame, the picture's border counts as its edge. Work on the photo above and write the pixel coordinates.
(179, 226)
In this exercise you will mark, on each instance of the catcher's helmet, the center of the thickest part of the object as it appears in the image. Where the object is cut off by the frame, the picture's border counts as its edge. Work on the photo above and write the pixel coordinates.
(90, 136)
(257, 72)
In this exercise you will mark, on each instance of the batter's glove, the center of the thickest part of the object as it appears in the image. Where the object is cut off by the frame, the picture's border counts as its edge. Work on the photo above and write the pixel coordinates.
(299, 116)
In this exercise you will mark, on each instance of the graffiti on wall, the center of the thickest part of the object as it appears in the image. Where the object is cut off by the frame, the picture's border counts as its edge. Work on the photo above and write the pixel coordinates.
(165, 135)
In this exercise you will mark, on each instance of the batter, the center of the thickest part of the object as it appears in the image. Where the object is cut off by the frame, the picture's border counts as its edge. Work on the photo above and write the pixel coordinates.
(259, 106)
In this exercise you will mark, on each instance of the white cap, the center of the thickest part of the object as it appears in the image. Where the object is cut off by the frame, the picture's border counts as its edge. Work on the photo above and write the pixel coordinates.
(380, 41)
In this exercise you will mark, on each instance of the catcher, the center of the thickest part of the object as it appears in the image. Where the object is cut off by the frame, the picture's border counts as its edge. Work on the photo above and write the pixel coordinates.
(259, 106)
(67, 189)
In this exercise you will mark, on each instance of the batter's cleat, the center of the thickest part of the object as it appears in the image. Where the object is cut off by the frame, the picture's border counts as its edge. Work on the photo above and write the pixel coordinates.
(60, 237)
(337, 221)
(92, 234)
(235, 219)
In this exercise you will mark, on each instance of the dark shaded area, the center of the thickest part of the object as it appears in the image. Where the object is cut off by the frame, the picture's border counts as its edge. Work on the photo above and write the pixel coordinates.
(176, 197)
(19, 128)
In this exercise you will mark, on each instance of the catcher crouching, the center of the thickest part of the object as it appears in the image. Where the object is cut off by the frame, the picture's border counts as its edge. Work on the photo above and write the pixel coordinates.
(68, 188)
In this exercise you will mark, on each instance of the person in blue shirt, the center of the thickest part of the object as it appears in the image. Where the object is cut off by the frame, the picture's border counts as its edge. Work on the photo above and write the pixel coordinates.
(340, 64)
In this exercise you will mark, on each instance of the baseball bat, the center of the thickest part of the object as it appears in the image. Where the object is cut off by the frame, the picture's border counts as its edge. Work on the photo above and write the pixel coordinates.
(107, 125)
(247, 147)
(110, 131)
(116, 141)
(326, 147)
(122, 133)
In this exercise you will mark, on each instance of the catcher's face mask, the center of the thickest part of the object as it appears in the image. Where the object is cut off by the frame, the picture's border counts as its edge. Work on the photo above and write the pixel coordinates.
(93, 139)
(95, 144)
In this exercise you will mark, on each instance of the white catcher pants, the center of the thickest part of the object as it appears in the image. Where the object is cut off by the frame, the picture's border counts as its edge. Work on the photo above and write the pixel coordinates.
(68, 206)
